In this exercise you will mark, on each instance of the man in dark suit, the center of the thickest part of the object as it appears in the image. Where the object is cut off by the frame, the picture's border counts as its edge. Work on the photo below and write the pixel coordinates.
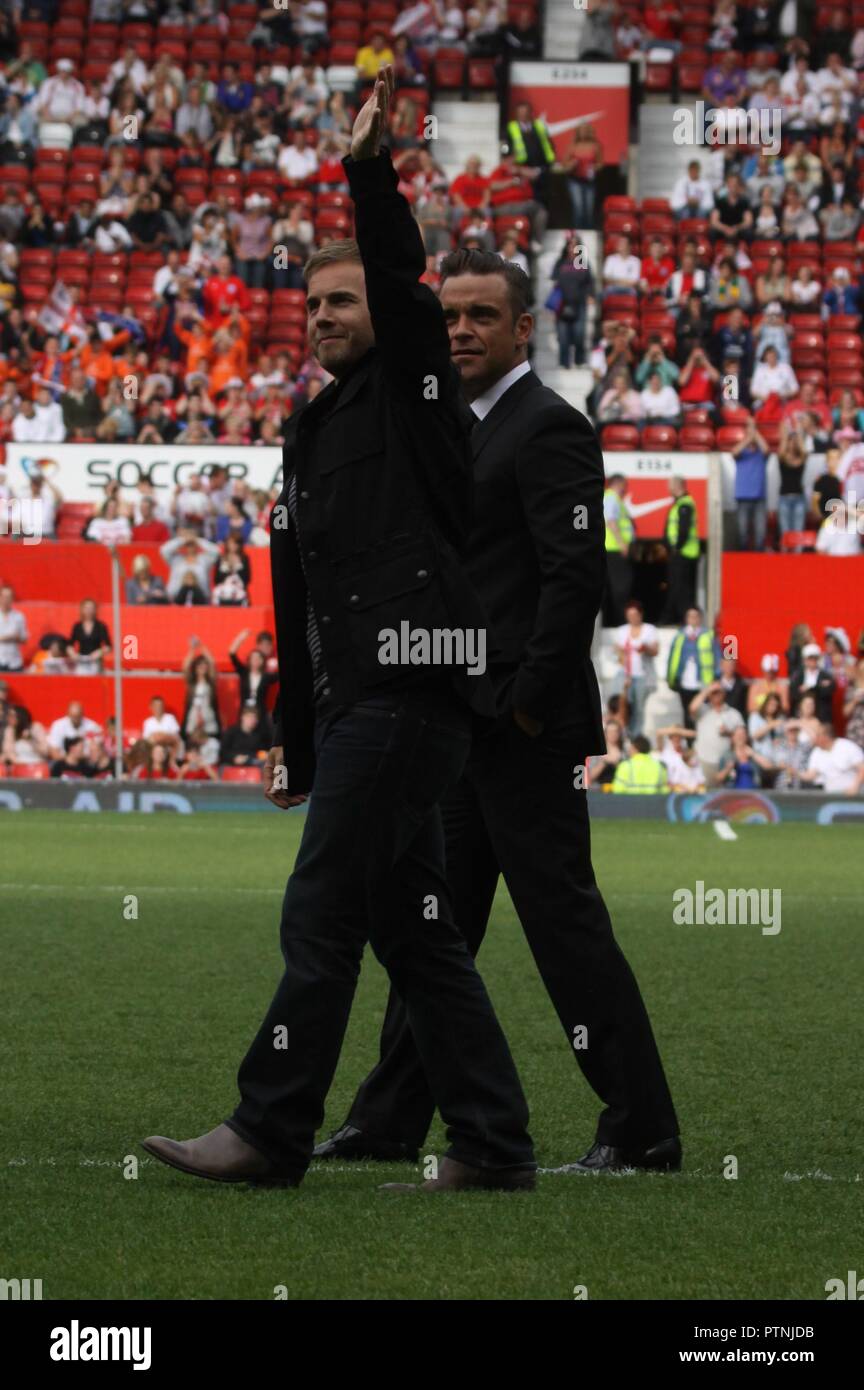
(364, 543)
(536, 557)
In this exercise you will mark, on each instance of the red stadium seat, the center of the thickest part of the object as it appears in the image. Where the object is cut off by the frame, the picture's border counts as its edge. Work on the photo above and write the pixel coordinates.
(659, 437)
(658, 77)
(449, 69)
(36, 770)
(697, 438)
(619, 437)
(798, 540)
(240, 774)
(481, 75)
(730, 435)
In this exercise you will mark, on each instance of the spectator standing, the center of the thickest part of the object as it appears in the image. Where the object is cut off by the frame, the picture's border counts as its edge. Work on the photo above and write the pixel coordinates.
(636, 645)
(681, 538)
(619, 537)
(715, 723)
(90, 642)
(201, 713)
(694, 660)
(813, 679)
(751, 464)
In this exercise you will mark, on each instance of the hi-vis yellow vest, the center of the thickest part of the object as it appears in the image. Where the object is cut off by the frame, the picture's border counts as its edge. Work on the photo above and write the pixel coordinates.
(641, 774)
(690, 548)
(625, 524)
(517, 142)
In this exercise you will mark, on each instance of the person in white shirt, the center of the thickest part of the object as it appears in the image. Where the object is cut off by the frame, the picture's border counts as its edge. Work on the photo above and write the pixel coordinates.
(636, 645)
(129, 67)
(298, 161)
(834, 77)
(13, 632)
(800, 71)
(621, 270)
(167, 277)
(161, 726)
(309, 18)
(26, 426)
(835, 764)
(772, 377)
(685, 774)
(692, 196)
(110, 235)
(61, 98)
(50, 416)
(805, 288)
(192, 503)
(73, 724)
(109, 527)
(660, 403)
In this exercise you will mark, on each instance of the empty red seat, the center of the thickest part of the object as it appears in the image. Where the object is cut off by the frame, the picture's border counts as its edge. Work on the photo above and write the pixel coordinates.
(619, 437)
(697, 437)
(659, 437)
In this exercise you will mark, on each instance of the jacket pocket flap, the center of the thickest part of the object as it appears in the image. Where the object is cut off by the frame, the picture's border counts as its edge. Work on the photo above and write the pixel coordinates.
(398, 574)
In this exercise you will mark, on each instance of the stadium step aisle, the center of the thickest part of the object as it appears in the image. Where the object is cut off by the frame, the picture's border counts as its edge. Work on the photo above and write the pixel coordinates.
(657, 161)
(573, 383)
(562, 29)
(466, 128)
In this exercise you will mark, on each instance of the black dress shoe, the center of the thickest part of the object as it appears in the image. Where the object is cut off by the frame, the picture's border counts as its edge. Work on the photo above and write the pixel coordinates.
(354, 1144)
(663, 1157)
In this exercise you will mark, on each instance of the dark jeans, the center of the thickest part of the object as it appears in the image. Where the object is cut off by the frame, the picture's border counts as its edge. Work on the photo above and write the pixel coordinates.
(371, 868)
(516, 812)
(582, 202)
(254, 273)
(571, 335)
(752, 518)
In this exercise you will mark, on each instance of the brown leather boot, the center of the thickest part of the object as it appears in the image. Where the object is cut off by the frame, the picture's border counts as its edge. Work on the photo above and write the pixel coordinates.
(458, 1177)
(221, 1156)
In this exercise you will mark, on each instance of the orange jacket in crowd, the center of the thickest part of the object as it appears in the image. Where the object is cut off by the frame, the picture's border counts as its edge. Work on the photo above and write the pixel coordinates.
(202, 354)
(99, 363)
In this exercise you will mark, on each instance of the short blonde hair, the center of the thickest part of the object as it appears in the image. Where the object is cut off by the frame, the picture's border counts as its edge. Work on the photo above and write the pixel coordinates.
(346, 249)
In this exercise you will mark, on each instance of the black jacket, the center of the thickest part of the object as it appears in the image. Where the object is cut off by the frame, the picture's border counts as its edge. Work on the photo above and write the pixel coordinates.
(537, 554)
(384, 491)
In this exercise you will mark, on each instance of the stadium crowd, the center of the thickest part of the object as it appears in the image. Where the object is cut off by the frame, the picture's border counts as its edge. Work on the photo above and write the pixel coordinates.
(168, 169)
(706, 727)
(729, 312)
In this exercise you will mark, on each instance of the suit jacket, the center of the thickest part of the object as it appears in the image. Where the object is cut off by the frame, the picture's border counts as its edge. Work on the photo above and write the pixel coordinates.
(537, 555)
(382, 459)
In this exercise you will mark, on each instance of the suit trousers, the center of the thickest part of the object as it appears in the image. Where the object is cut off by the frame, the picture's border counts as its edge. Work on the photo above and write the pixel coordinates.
(517, 812)
(371, 868)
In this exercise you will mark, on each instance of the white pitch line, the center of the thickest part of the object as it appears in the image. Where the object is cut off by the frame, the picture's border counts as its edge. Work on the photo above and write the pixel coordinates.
(724, 830)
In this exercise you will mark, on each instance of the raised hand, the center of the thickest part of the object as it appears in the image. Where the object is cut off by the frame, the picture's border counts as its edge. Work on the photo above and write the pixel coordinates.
(371, 123)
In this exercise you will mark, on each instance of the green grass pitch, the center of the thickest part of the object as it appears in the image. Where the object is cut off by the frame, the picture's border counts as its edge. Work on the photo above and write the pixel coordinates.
(114, 1029)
